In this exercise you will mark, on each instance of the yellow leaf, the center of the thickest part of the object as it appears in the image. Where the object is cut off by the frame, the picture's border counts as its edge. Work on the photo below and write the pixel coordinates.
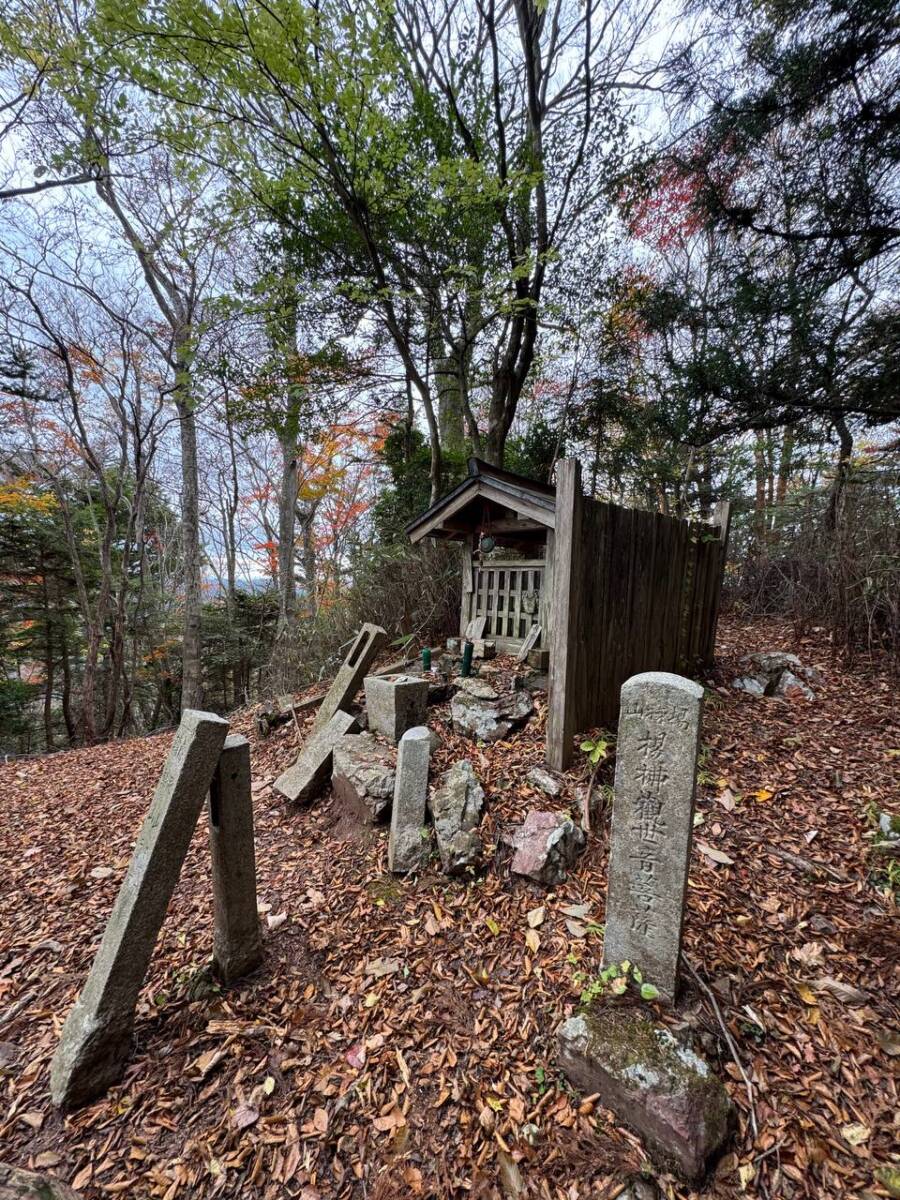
(806, 994)
(495, 1102)
(492, 925)
(269, 1085)
(764, 795)
(746, 1171)
(533, 940)
(371, 1000)
(855, 1134)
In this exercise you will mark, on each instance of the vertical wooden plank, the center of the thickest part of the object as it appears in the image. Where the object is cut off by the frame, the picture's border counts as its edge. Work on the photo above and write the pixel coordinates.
(465, 607)
(546, 609)
(566, 576)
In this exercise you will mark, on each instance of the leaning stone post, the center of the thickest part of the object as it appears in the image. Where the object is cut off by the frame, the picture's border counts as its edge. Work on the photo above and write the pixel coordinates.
(408, 850)
(96, 1039)
(355, 667)
(237, 945)
(652, 824)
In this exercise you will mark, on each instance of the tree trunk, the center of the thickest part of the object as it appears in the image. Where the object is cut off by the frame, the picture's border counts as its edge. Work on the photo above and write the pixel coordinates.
(287, 518)
(191, 673)
(835, 509)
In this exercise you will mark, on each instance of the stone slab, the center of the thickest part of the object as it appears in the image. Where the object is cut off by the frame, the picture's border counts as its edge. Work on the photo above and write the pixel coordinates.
(531, 640)
(652, 1083)
(395, 703)
(310, 774)
(408, 847)
(366, 646)
(96, 1038)
(652, 824)
(237, 943)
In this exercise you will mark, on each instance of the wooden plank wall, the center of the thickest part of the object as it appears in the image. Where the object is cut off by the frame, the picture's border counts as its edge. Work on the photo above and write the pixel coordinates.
(645, 588)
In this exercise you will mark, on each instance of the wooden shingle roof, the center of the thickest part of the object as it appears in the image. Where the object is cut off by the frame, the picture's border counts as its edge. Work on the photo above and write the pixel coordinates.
(530, 505)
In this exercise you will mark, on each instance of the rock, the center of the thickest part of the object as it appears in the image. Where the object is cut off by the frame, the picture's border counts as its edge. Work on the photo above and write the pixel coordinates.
(771, 662)
(362, 776)
(456, 810)
(16, 1184)
(776, 673)
(754, 684)
(545, 782)
(310, 773)
(483, 714)
(889, 825)
(545, 846)
(395, 703)
(640, 1188)
(651, 1082)
(792, 688)
(454, 646)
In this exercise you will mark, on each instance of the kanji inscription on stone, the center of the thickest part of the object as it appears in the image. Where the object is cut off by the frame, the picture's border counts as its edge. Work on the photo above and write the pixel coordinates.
(652, 824)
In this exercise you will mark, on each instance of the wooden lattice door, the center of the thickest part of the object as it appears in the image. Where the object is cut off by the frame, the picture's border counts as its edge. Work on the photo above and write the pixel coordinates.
(509, 595)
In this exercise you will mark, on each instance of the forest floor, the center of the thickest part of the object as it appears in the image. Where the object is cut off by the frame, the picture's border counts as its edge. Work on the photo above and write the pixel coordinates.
(400, 1034)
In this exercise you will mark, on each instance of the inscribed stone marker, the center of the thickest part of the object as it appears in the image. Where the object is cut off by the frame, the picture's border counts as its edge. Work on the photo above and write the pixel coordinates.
(96, 1038)
(408, 850)
(354, 668)
(652, 824)
(237, 945)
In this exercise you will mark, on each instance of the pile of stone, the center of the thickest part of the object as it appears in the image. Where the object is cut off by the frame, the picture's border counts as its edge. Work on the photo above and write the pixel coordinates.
(484, 714)
(776, 673)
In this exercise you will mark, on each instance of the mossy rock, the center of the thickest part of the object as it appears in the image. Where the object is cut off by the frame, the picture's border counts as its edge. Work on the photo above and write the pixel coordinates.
(652, 1082)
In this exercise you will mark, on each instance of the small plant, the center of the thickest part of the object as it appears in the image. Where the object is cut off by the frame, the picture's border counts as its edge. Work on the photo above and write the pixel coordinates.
(615, 978)
(596, 749)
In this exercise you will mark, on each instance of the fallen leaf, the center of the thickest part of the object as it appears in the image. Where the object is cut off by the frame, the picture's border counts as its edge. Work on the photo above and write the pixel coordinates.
(844, 992)
(716, 856)
(532, 940)
(536, 917)
(273, 920)
(378, 968)
(855, 1133)
(245, 1116)
(579, 911)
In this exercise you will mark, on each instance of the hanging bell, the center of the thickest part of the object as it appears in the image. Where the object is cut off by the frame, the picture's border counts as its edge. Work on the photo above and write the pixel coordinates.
(487, 543)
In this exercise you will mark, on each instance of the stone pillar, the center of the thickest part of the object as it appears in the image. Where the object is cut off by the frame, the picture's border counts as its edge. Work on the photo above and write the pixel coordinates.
(96, 1039)
(237, 945)
(354, 669)
(652, 824)
(408, 848)
(395, 703)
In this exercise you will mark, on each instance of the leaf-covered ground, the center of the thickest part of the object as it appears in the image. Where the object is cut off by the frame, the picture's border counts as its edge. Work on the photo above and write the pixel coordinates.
(399, 1037)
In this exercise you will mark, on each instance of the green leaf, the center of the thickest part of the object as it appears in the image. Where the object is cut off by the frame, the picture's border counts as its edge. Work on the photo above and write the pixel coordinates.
(648, 991)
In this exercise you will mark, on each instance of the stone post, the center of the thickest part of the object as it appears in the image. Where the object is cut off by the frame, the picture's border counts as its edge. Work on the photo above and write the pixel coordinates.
(96, 1038)
(652, 824)
(408, 850)
(237, 945)
(355, 667)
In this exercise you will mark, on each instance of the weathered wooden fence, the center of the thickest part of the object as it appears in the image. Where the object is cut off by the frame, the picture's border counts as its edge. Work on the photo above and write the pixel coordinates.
(632, 591)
